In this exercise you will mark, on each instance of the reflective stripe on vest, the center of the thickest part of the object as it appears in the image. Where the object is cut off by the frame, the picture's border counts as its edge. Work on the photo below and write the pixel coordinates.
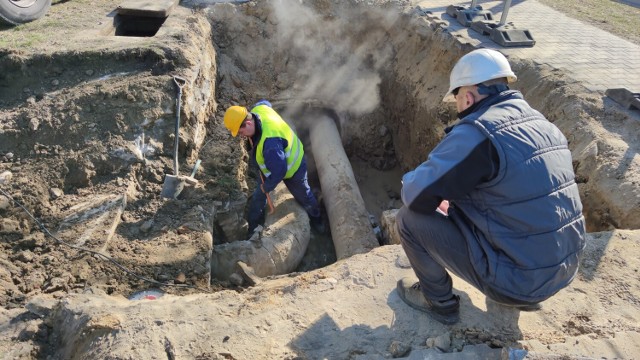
(274, 127)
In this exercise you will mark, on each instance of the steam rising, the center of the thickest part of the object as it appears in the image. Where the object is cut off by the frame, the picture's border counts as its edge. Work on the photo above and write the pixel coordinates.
(337, 58)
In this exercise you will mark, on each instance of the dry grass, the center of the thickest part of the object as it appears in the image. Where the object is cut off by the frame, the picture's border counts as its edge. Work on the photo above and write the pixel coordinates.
(57, 26)
(612, 16)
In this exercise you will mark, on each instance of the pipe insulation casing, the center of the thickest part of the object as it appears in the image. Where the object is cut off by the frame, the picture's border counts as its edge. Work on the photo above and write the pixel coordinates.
(350, 227)
(281, 246)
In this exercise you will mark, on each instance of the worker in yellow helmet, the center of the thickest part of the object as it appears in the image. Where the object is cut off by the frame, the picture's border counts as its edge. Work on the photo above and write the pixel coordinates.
(280, 156)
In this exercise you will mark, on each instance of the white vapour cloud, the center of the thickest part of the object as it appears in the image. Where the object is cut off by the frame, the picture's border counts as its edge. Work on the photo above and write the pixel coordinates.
(339, 57)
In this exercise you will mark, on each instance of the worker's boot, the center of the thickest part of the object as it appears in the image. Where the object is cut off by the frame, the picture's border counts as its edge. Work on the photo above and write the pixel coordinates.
(446, 312)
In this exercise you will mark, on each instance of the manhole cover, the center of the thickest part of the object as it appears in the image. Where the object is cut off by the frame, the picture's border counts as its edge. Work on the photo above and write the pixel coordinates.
(151, 294)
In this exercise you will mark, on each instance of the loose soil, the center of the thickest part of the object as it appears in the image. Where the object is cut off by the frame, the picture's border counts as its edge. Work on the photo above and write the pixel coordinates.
(87, 128)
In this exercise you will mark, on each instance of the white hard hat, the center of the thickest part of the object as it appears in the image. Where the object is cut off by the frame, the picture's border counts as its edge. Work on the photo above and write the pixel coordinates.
(479, 66)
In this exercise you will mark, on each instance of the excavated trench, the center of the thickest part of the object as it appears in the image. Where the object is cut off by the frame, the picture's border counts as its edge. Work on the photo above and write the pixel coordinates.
(283, 243)
(378, 70)
(382, 72)
(362, 83)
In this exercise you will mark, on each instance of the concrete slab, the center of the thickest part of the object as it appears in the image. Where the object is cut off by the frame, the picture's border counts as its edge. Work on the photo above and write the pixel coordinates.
(147, 8)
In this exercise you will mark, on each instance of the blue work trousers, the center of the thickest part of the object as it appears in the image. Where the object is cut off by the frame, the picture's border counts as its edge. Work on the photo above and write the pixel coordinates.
(433, 244)
(299, 188)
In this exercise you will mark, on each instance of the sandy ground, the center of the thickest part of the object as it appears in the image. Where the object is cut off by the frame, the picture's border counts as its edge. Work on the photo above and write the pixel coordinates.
(350, 310)
(87, 136)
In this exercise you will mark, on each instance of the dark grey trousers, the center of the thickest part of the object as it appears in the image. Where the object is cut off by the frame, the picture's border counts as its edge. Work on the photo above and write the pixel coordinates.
(433, 244)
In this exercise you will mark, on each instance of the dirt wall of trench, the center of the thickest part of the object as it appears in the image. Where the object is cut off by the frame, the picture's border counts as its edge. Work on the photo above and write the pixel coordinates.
(78, 126)
(604, 140)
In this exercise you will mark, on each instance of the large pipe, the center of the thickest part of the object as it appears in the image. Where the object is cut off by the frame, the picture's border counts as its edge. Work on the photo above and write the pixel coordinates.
(281, 245)
(350, 227)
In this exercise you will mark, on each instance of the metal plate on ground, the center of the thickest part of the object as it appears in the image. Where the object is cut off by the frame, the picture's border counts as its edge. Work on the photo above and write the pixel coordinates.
(150, 294)
(147, 8)
(172, 186)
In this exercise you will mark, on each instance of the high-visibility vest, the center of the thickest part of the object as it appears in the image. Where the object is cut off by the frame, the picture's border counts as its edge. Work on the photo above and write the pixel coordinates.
(274, 127)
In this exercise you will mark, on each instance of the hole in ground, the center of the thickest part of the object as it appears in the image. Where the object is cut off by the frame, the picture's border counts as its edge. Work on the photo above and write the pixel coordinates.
(137, 26)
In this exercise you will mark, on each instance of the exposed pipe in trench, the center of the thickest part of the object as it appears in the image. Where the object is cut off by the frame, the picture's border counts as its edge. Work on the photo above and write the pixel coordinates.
(280, 247)
(350, 227)
(284, 241)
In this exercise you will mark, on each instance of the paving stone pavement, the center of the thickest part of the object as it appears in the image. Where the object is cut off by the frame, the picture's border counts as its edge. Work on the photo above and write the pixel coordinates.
(594, 57)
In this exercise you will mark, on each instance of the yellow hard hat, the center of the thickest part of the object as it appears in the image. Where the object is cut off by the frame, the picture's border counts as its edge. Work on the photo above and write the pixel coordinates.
(233, 118)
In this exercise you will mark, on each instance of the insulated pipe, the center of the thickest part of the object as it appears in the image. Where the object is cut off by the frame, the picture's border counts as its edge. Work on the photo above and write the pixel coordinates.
(280, 247)
(350, 227)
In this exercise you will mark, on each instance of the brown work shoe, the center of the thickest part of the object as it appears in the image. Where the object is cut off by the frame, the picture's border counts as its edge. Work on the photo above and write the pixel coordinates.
(446, 312)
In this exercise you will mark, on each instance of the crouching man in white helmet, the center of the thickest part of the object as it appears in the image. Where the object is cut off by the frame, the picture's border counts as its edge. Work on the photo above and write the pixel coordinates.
(512, 226)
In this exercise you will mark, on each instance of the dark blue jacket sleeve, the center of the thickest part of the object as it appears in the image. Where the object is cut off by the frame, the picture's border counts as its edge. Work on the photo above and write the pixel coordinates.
(463, 159)
(274, 160)
(262, 102)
